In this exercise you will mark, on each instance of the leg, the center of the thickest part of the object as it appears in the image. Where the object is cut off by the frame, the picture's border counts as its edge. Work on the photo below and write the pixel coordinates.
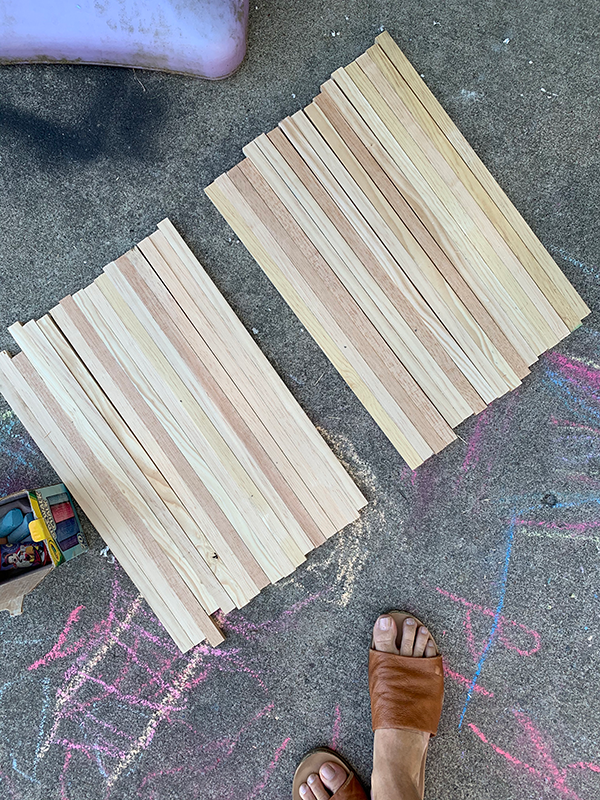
(398, 755)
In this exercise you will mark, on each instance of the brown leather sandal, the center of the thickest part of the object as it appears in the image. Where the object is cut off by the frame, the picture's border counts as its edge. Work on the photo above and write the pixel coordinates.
(313, 761)
(406, 692)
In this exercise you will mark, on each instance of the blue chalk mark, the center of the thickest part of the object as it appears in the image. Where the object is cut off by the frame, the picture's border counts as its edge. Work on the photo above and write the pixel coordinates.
(484, 655)
(3, 688)
(587, 269)
(42, 726)
(23, 774)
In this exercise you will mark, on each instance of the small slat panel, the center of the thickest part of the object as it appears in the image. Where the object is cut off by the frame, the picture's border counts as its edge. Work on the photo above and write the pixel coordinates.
(398, 251)
(176, 436)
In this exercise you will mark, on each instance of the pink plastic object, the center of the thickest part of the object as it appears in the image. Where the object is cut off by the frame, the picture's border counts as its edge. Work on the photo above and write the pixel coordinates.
(206, 38)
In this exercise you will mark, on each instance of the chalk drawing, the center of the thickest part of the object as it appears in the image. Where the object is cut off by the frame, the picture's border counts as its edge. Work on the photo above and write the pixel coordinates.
(547, 771)
(502, 629)
(497, 615)
(337, 727)
(587, 269)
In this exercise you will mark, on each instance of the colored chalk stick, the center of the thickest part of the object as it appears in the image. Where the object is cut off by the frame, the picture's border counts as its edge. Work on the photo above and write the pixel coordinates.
(62, 511)
(22, 532)
(11, 521)
(58, 499)
(66, 529)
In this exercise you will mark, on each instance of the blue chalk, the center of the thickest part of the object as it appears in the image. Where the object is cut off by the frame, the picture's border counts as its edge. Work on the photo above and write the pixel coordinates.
(66, 530)
(11, 521)
(22, 532)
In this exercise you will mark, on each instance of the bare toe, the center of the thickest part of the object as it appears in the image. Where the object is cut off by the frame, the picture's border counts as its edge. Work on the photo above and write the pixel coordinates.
(409, 629)
(333, 776)
(420, 642)
(305, 792)
(384, 635)
(430, 650)
(317, 788)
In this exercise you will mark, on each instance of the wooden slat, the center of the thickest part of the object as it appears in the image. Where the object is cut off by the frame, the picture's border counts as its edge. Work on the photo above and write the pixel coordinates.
(138, 530)
(407, 126)
(437, 219)
(183, 481)
(327, 479)
(273, 260)
(545, 272)
(165, 322)
(352, 150)
(265, 172)
(83, 486)
(412, 270)
(388, 377)
(187, 425)
(195, 323)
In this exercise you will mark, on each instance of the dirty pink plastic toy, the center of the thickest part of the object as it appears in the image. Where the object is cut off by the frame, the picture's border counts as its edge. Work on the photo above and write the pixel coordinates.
(206, 38)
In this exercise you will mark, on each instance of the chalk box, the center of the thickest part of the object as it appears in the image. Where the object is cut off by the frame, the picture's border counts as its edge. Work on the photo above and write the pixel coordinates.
(57, 526)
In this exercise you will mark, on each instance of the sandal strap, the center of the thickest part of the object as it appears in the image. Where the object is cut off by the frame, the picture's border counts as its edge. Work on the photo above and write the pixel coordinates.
(350, 790)
(406, 692)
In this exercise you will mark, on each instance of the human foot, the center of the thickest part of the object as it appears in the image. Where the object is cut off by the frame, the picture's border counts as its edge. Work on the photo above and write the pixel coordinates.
(326, 783)
(403, 728)
(323, 775)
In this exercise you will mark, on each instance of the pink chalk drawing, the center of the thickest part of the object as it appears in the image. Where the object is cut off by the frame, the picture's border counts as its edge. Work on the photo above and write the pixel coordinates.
(577, 370)
(456, 676)
(59, 650)
(238, 624)
(337, 727)
(126, 662)
(503, 633)
(259, 787)
(545, 769)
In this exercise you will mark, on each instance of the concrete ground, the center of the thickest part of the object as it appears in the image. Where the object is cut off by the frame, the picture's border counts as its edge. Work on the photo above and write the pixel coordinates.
(494, 542)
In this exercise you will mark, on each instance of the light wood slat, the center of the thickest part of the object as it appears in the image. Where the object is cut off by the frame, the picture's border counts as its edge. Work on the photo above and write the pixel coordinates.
(135, 497)
(266, 169)
(327, 481)
(143, 534)
(273, 260)
(378, 66)
(380, 295)
(184, 482)
(165, 322)
(367, 171)
(187, 425)
(266, 537)
(146, 477)
(540, 333)
(83, 486)
(407, 126)
(547, 275)
(441, 223)
(249, 397)
(424, 281)
(387, 292)
(404, 393)
(438, 222)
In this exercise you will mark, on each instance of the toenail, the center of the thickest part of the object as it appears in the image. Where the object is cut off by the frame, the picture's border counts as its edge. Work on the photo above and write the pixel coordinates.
(410, 621)
(385, 623)
(328, 772)
(423, 630)
(312, 778)
(303, 789)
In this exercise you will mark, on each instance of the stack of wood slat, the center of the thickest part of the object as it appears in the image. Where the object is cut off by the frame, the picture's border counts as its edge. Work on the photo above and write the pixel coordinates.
(176, 436)
(398, 250)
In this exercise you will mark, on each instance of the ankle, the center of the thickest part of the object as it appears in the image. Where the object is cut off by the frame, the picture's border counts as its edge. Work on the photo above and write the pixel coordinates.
(398, 760)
